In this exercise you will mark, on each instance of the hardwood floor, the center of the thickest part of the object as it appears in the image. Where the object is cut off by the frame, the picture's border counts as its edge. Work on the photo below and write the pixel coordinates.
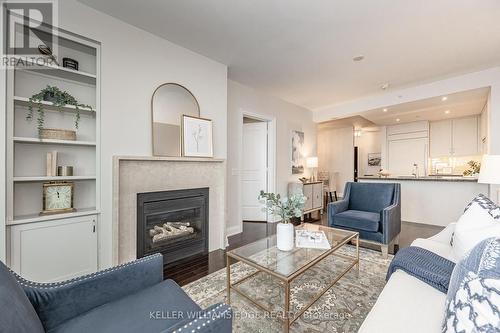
(194, 268)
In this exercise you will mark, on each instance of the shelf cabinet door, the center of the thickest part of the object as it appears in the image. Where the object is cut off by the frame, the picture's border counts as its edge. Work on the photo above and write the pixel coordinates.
(441, 138)
(317, 201)
(54, 250)
(308, 193)
(465, 136)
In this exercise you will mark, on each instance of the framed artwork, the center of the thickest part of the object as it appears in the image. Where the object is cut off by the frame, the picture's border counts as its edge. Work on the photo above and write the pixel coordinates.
(197, 139)
(297, 152)
(374, 159)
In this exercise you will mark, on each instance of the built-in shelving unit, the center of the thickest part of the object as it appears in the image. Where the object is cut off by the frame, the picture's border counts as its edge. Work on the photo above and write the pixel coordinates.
(54, 141)
(30, 233)
(24, 101)
(50, 178)
(59, 71)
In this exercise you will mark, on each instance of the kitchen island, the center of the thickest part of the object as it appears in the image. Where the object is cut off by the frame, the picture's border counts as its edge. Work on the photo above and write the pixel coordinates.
(435, 200)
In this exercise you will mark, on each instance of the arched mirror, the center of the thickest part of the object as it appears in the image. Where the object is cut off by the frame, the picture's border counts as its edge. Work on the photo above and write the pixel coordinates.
(169, 102)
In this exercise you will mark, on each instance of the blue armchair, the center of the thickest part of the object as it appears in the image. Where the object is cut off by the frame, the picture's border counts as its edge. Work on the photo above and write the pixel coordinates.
(129, 298)
(372, 209)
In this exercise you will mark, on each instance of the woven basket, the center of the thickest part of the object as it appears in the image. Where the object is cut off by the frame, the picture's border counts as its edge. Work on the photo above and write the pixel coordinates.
(57, 134)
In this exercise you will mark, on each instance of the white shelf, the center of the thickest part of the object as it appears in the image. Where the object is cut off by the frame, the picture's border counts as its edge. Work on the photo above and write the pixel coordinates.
(68, 108)
(53, 141)
(58, 71)
(55, 178)
(40, 218)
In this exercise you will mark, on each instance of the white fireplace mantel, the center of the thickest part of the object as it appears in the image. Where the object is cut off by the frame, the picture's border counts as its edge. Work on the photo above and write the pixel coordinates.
(139, 174)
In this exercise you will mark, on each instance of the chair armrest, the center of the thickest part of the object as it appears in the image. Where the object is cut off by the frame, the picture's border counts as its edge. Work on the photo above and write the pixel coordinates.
(58, 302)
(391, 222)
(337, 207)
(217, 319)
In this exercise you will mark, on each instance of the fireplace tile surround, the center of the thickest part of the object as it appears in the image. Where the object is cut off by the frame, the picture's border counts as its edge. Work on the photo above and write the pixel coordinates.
(136, 174)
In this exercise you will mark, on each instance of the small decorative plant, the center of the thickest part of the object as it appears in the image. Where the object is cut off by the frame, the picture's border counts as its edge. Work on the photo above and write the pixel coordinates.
(58, 98)
(285, 208)
(474, 168)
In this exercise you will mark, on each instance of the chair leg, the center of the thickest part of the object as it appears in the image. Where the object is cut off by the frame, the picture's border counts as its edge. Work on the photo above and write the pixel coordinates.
(396, 244)
(335, 193)
(331, 198)
(385, 250)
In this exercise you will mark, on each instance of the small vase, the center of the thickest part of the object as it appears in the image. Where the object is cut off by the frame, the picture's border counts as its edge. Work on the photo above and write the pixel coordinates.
(284, 236)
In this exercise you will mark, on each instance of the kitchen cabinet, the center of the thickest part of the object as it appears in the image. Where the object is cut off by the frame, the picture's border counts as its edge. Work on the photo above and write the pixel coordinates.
(454, 137)
(403, 154)
(441, 138)
(483, 131)
(407, 144)
(55, 250)
(465, 136)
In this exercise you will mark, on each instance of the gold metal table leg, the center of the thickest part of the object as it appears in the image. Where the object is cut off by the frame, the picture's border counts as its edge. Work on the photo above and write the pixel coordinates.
(357, 255)
(286, 314)
(228, 277)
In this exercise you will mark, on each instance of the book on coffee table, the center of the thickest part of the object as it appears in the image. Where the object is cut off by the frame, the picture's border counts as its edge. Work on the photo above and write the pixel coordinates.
(311, 239)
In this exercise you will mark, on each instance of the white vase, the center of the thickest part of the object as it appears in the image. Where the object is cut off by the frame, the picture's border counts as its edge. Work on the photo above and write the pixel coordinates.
(284, 236)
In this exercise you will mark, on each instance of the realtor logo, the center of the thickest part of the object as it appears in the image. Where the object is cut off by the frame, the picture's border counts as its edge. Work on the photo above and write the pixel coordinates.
(28, 34)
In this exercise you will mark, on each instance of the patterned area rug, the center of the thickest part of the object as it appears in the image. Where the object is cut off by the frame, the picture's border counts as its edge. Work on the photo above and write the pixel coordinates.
(341, 309)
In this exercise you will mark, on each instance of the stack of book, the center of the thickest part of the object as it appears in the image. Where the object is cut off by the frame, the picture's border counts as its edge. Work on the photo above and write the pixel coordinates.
(311, 239)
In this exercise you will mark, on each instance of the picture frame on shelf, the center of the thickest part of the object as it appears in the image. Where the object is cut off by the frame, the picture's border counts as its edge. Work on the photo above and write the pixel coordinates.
(196, 137)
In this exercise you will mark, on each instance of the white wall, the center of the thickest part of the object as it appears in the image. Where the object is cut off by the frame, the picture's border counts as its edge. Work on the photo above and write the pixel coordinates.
(288, 117)
(133, 64)
(336, 154)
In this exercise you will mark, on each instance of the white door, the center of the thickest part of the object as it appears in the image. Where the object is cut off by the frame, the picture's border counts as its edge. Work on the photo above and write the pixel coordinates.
(404, 153)
(254, 170)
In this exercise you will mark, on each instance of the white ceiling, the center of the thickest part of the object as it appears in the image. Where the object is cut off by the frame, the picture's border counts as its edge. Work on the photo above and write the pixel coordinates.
(301, 51)
(457, 105)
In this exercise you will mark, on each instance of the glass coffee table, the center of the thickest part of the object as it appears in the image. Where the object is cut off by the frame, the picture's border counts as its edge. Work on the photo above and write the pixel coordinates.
(286, 266)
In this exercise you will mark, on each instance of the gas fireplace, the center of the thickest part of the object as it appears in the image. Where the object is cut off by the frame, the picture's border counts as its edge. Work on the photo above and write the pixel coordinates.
(174, 223)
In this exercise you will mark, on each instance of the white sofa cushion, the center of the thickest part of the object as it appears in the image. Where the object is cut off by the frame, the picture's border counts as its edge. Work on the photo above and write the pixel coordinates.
(407, 304)
(474, 226)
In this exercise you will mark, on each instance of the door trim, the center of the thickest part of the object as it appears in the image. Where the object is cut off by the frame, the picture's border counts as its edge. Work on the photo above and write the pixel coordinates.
(271, 155)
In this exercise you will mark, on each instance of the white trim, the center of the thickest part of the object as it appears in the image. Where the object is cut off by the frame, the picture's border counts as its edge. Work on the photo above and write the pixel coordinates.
(234, 230)
(271, 155)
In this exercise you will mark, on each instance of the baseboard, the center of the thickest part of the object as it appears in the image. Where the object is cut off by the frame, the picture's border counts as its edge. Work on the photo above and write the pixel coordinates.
(233, 230)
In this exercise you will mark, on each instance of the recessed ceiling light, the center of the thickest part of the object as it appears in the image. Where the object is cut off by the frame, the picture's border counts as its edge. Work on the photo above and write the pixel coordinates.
(444, 98)
(358, 58)
(398, 120)
(447, 111)
(384, 110)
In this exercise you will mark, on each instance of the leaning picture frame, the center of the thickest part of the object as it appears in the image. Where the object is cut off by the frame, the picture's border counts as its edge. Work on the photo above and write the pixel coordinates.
(196, 137)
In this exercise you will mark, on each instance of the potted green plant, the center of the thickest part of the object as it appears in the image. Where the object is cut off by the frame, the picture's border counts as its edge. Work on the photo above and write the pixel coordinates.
(284, 208)
(58, 98)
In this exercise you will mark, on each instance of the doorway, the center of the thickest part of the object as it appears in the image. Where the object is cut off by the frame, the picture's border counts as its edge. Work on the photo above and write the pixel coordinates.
(257, 165)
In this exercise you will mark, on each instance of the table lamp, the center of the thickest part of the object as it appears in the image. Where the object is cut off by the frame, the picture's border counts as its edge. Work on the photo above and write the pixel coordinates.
(490, 172)
(312, 163)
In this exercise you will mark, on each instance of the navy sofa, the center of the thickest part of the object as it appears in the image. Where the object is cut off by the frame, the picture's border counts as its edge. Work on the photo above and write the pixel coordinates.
(372, 209)
(132, 297)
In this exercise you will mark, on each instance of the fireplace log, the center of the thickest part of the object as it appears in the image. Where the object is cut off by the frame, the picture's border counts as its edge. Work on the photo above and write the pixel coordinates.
(168, 231)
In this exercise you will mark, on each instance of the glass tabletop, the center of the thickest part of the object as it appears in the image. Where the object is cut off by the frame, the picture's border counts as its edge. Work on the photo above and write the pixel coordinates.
(264, 253)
